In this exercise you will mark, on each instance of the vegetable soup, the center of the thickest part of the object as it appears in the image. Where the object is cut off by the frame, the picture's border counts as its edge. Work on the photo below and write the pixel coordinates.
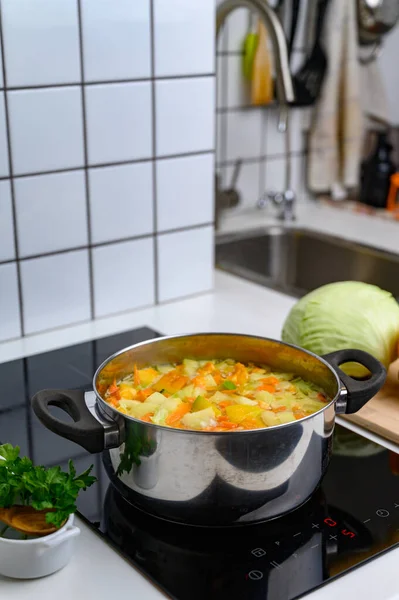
(214, 395)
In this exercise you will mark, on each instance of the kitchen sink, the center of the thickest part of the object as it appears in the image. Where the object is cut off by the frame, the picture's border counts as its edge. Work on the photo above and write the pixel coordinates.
(296, 261)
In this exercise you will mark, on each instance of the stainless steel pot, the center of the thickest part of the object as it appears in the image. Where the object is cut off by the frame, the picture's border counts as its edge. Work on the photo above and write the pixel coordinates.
(213, 478)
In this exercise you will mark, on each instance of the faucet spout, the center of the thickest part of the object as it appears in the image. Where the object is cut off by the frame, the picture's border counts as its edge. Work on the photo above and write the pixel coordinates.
(284, 86)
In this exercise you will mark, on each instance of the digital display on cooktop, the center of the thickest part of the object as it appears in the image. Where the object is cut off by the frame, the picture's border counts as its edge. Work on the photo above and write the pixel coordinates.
(352, 518)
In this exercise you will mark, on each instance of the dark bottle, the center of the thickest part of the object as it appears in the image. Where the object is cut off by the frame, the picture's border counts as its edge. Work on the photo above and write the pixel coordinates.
(376, 171)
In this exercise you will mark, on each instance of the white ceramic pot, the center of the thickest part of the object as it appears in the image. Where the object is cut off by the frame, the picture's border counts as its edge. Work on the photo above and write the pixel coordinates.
(26, 559)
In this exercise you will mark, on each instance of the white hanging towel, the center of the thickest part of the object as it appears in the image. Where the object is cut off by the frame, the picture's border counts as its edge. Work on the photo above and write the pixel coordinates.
(335, 139)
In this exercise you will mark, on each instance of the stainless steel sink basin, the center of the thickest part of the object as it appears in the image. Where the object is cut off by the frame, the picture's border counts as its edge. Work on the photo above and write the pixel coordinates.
(296, 261)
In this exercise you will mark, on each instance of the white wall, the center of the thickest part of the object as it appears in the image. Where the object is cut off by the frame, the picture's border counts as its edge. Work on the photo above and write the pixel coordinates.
(106, 157)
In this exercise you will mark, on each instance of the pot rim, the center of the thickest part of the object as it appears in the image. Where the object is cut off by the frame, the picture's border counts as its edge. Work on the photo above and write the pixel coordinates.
(112, 412)
(42, 538)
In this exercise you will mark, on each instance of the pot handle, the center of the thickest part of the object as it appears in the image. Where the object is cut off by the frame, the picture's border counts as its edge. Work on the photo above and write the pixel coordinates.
(85, 430)
(359, 392)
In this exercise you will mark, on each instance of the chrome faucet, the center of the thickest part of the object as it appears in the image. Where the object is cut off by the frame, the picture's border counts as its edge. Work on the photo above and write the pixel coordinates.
(284, 89)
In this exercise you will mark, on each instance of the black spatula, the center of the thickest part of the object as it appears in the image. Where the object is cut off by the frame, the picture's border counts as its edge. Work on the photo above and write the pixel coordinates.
(310, 77)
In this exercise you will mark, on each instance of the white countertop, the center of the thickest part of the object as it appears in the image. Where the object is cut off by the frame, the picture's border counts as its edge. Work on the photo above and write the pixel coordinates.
(233, 306)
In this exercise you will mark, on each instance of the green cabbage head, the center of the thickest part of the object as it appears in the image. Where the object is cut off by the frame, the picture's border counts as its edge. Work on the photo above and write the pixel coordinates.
(347, 314)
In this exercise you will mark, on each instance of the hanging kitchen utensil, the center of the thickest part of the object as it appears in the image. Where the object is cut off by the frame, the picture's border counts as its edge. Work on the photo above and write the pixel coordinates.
(249, 47)
(262, 87)
(309, 79)
(375, 19)
(294, 24)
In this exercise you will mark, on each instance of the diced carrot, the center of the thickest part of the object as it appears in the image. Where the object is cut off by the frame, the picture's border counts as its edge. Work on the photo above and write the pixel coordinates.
(172, 382)
(299, 414)
(217, 377)
(240, 374)
(250, 423)
(207, 368)
(113, 387)
(270, 380)
(199, 381)
(229, 425)
(321, 397)
(279, 409)
(264, 405)
(146, 418)
(176, 415)
(143, 394)
(266, 387)
(225, 403)
(136, 377)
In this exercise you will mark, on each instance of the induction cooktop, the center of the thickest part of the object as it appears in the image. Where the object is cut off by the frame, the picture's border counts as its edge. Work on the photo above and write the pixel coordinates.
(352, 518)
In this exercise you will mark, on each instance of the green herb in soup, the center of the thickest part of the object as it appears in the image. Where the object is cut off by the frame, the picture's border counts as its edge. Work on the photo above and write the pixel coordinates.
(214, 395)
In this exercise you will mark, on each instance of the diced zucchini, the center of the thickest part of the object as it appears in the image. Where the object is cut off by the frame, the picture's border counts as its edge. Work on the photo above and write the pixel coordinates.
(264, 397)
(128, 404)
(199, 420)
(156, 398)
(171, 404)
(286, 416)
(165, 368)
(256, 376)
(190, 367)
(219, 397)
(269, 418)
(160, 416)
(141, 409)
(190, 391)
(200, 403)
(210, 382)
(244, 400)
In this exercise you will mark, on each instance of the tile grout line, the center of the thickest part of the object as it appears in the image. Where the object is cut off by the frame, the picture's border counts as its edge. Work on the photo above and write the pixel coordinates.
(85, 156)
(112, 242)
(224, 94)
(24, 88)
(11, 179)
(154, 153)
(110, 164)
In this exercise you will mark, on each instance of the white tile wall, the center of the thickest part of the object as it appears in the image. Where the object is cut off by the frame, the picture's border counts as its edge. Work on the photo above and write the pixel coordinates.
(116, 39)
(185, 115)
(248, 184)
(46, 129)
(56, 290)
(245, 134)
(4, 170)
(51, 212)
(41, 41)
(121, 202)
(111, 129)
(9, 302)
(7, 244)
(193, 250)
(1, 63)
(128, 267)
(118, 122)
(185, 37)
(185, 191)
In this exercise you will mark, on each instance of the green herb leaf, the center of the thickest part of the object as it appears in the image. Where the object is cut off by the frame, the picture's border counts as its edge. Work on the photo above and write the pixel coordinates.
(229, 385)
(23, 483)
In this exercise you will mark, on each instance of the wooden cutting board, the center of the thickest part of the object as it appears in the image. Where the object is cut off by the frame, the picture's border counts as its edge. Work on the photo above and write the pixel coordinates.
(381, 414)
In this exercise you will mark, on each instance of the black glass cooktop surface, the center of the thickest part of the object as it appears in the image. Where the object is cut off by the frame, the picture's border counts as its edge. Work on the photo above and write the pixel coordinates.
(352, 518)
